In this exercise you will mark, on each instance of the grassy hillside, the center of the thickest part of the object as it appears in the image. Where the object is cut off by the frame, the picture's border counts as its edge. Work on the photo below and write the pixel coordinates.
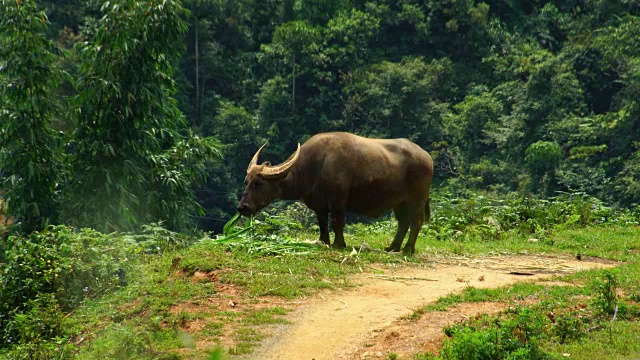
(157, 294)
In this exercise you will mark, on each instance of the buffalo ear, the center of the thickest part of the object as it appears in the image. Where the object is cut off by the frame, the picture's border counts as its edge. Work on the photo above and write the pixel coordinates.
(266, 163)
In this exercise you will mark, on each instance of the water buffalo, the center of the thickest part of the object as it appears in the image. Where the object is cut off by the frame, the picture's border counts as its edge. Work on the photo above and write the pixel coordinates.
(337, 172)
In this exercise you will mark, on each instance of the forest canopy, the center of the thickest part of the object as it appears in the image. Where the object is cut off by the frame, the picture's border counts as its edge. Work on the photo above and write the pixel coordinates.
(126, 103)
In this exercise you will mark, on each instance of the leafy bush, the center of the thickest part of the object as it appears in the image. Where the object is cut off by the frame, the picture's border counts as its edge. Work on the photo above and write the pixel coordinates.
(469, 344)
(628, 184)
(569, 326)
(58, 262)
(120, 342)
(513, 338)
(61, 261)
(543, 156)
(475, 216)
(37, 332)
(53, 271)
(58, 348)
(498, 174)
(155, 239)
(42, 319)
(606, 299)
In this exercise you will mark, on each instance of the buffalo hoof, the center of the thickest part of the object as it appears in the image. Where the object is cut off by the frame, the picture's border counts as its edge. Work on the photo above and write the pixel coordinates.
(408, 251)
(392, 248)
(339, 245)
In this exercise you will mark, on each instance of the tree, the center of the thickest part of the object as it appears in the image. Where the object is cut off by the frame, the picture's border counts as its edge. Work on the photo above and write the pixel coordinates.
(542, 158)
(31, 158)
(457, 27)
(475, 82)
(318, 12)
(350, 39)
(398, 99)
(404, 27)
(468, 126)
(132, 161)
(292, 46)
(276, 120)
(237, 129)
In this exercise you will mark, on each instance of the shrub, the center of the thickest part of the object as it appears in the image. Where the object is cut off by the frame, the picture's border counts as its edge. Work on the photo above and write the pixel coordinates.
(512, 338)
(569, 326)
(155, 239)
(470, 344)
(606, 298)
(543, 156)
(58, 348)
(120, 342)
(469, 216)
(58, 263)
(41, 319)
(53, 271)
(38, 331)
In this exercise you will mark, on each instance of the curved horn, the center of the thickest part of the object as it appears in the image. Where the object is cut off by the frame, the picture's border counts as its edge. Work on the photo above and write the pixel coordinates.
(273, 171)
(254, 161)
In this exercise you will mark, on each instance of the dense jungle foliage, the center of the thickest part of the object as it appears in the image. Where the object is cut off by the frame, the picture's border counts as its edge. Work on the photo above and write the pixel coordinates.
(110, 109)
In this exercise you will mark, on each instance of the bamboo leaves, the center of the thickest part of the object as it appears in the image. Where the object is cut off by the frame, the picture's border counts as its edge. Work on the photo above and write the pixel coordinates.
(31, 158)
(130, 130)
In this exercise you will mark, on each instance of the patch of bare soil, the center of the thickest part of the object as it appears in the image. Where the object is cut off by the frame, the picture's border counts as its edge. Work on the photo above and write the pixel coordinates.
(408, 337)
(366, 322)
(215, 310)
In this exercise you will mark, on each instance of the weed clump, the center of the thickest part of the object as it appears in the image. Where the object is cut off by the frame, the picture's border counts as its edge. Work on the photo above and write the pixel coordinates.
(523, 332)
(473, 217)
(49, 273)
(606, 299)
(513, 338)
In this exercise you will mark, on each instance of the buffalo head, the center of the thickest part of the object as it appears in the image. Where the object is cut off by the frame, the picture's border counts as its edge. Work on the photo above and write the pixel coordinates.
(261, 183)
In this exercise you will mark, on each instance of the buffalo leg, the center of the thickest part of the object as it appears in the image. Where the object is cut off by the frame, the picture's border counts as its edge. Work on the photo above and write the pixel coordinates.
(337, 222)
(323, 223)
(417, 219)
(402, 216)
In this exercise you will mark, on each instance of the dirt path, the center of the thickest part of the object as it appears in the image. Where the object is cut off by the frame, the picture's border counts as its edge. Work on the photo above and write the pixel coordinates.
(363, 322)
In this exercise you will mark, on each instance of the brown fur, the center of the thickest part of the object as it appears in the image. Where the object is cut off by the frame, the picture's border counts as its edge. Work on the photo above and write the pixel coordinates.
(339, 172)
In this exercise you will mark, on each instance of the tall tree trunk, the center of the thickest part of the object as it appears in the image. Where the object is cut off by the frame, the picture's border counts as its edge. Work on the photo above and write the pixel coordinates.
(293, 86)
(197, 54)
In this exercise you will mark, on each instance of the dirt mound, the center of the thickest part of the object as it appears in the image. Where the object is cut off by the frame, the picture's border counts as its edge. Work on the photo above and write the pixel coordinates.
(362, 322)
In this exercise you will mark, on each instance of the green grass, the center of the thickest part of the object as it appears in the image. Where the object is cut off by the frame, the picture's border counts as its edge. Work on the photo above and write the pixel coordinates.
(266, 316)
(142, 319)
(131, 342)
(213, 330)
(246, 339)
(511, 293)
(286, 276)
(141, 311)
(622, 343)
(616, 243)
(569, 319)
(608, 242)
(176, 283)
